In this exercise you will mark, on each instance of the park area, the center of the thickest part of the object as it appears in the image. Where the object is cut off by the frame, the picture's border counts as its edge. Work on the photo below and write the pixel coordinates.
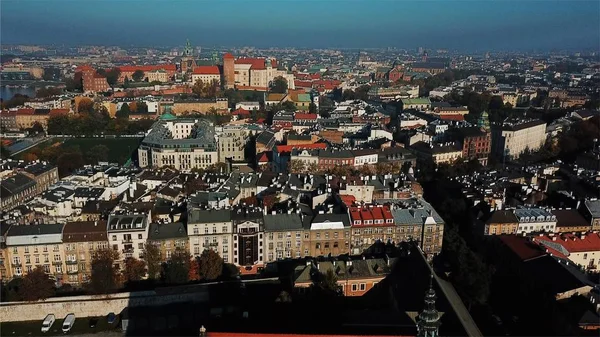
(72, 153)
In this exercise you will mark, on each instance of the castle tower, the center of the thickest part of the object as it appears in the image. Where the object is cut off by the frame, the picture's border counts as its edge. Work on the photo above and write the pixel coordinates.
(229, 71)
(187, 60)
(428, 321)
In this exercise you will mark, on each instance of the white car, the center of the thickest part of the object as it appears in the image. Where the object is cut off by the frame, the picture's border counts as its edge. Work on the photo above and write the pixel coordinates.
(68, 323)
(47, 323)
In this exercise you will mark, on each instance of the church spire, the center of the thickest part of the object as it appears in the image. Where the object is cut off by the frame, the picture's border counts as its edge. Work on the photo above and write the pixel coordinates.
(428, 322)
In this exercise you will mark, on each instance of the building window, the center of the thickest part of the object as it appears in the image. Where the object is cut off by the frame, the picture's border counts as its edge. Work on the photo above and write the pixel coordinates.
(114, 238)
(139, 236)
(306, 236)
(354, 287)
(585, 256)
(363, 286)
(196, 231)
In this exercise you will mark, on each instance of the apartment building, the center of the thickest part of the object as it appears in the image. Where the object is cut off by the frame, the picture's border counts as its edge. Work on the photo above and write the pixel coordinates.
(206, 74)
(168, 237)
(417, 220)
(211, 229)
(501, 222)
(535, 220)
(592, 213)
(515, 137)
(29, 246)
(327, 234)
(232, 143)
(283, 236)
(256, 73)
(15, 190)
(81, 239)
(127, 233)
(445, 153)
(248, 236)
(371, 225)
(583, 249)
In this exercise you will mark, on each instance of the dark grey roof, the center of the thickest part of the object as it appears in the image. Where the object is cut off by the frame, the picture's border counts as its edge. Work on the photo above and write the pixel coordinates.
(22, 230)
(15, 184)
(208, 215)
(174, 230)
(58, 194)
(38, 168)
(265, 137)
(283, 222)
(89, 192)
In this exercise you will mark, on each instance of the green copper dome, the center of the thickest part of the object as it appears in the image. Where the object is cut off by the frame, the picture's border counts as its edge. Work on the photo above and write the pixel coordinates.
(483, 122)
(167, 117)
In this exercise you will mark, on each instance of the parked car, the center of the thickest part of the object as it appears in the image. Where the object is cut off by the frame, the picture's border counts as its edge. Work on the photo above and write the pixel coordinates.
(68, 323)
(93, 322)
(47, 323)
(111, 318)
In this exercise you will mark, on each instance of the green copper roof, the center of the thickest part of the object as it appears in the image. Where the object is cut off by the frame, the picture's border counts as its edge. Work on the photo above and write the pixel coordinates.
(416, 101)
(167, 117)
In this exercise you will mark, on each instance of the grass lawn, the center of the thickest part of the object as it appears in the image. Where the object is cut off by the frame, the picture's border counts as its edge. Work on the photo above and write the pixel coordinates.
(33, 328)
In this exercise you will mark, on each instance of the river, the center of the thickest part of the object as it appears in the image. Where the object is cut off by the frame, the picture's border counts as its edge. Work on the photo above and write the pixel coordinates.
(7, 93)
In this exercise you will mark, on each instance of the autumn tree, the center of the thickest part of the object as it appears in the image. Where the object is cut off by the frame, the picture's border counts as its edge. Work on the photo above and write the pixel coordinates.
(198, 87)
(133, 106)
(296, 166)
(137, 75)
(312, 168)
(153, 260)
(30, 157)
(104, 277)
(124, 111)
(97, 154)
(194, 272)
(279, 85)
(211, 265)
(37, 285)
(85, 105)
(135, 269)
(325, 284)
(177, 268)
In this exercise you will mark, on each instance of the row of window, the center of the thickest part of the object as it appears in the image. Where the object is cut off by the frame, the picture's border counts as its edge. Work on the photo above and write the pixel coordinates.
(55, 248)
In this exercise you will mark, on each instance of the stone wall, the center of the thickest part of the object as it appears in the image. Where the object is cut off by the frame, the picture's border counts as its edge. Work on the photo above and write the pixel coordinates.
(86, 306)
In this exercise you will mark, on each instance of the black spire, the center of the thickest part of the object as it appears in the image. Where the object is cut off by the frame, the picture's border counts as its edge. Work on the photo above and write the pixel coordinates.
(428, 322)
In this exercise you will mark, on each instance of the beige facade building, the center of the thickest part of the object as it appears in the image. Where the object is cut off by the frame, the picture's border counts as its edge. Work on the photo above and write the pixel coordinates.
(159, 75)
(211, 229)
(513, 138)
(81, 239)
(36, 245)
(232, 142)
(183, 143)
(284, 236)
(258, 73)
(206, 74)
(168, 237)
(187, 106)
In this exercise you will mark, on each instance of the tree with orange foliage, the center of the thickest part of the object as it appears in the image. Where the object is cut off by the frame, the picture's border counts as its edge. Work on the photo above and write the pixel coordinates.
(194, 273)
(133, 106)
(85, 105)
(30, 157)
(135, 269)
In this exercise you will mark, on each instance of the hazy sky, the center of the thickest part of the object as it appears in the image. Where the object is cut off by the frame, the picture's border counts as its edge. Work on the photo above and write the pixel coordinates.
(481, 25)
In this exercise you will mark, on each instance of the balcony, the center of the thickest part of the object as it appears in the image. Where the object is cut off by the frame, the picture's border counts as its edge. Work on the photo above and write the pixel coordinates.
(72, 272)
(18, 264)
(212, 244)
(126, 241)
(71, 262)
(127, 250)
(57, 263)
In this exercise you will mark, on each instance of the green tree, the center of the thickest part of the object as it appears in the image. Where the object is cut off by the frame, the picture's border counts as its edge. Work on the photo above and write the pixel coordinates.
(138, 75)
(211, 265)
(296, 166)
(126, 82)
(37, 127)
(104, 277)
(97, 154)
(124, 111)
(279, 85)
(69, 161)
(142, 107)
(177, 268)
(325, 285)
(153, 260)
(289, 106)
(112, 77)
(37, 285)
(312, 108)
(4, 152)
(198, 88)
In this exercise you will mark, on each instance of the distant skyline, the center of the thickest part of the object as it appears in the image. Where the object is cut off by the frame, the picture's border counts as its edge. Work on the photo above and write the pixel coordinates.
(458, 25)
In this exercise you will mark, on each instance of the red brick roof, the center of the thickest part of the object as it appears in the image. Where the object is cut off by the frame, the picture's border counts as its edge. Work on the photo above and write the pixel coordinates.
(145, 68)
(521, 246)
(227, 56)
(58, 111)
(207, 70)
(305, 116)
(574, 243)
(256, 63)
(457, 117)
(25, 111)
(303, 84)
(289, 148)
(348, 199)
(84, 67)
(241, 112)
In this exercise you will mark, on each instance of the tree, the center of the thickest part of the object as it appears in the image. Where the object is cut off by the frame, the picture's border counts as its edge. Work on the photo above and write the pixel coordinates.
(194, 272)
(97, 154)
(48, 92)
(289, 106)
(133, 106)
(177, 268)
(112, 77)
(135, 269)
(279, 85)
(312, 167)
(348, 95)
(211, 265)
(137, 75)
(37, 127)
(126, 82)
(296, 166)
(104, 276)
(4, 152)
(37, 285)
(29, 157)
(153, 260)
(325, 284)
(124, 111)
(85, 105)
(312, 108)
(198, 87)
(69, 162)
(142, 107)
(75, 83)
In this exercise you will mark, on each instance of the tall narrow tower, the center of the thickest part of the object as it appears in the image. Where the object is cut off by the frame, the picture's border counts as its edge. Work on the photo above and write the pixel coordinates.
(428, 322)
(229, 71)
(187, 60)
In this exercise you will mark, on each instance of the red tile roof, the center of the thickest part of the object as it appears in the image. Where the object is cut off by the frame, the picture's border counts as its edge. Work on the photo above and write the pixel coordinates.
(207, 70)
(256, 63)
(241, 112)
(305, 116)
(348, 199)
(145, 68)
(574, 243)
(58, 111)
(84, 67)
(521, 246)
(457, 117)
(303, 84)
(25, 111)
(227, 56)
(289, 148)
(264, 158)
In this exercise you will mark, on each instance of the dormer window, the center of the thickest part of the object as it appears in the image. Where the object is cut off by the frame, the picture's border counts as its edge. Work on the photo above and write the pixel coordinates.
(357, 222)
(368, 222)
(389, 220)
